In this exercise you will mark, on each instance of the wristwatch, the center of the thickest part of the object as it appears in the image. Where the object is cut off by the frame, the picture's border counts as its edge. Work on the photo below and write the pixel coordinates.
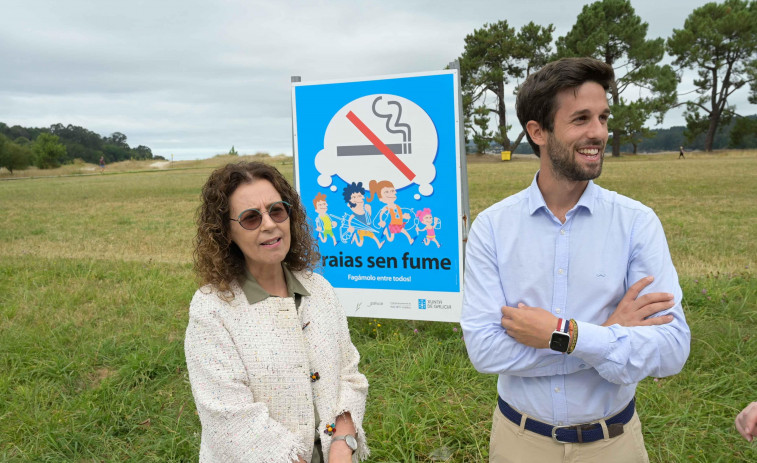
(560, 340)
(348, 439)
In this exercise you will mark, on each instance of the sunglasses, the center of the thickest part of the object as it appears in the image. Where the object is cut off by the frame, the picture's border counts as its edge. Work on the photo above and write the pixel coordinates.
(250, 219)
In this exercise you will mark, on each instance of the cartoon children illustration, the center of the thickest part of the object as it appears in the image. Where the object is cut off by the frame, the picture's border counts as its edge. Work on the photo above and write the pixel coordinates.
(323, 223)
(387, 194)
(430, 223)
(354, 196)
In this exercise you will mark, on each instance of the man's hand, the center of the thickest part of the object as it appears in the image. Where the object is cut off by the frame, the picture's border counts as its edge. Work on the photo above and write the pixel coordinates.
(634, 310)
(532, 326)
(746, 422)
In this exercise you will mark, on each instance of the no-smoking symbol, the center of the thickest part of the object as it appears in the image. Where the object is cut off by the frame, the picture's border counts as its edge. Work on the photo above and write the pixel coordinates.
(380, 137)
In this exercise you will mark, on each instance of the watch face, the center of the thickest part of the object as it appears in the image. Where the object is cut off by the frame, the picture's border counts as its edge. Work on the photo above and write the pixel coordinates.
(351, 442)
(559, 342)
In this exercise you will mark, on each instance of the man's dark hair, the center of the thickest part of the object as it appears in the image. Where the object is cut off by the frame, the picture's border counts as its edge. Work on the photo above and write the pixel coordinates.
(537, 97)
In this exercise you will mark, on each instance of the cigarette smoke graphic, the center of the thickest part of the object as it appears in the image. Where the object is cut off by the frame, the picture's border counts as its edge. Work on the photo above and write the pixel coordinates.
(396, 127)
(406, 140)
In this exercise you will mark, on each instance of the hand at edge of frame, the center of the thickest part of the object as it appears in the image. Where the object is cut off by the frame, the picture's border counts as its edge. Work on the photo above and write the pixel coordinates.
(746, 422)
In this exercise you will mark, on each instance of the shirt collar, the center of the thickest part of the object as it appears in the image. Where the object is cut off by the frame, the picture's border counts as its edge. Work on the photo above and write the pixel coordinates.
(255, 293)
(536, 200)
(589, 197)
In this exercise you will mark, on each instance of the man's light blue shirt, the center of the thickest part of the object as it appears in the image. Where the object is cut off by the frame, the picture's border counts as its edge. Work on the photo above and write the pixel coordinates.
(518, 251)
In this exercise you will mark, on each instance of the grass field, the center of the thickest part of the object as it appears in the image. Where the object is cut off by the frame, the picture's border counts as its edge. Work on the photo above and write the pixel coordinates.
(96, 278)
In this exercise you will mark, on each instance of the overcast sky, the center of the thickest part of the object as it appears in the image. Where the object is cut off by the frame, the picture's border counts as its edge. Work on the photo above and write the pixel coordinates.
(192, 78)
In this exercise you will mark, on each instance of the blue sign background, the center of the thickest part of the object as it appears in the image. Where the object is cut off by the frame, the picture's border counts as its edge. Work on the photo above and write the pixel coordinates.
(315, 105)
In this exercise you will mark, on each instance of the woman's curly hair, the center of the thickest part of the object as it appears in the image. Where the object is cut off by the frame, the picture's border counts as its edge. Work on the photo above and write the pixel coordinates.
(218, 261)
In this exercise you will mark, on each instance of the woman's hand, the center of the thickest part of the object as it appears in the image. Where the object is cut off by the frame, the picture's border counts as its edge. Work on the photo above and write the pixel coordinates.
(340, 452)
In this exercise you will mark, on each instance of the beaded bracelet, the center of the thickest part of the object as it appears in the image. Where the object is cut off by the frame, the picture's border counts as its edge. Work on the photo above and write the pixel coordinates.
(573, 335)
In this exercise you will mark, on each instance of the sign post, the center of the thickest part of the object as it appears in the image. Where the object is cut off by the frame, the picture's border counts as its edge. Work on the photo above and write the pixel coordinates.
(378, 166)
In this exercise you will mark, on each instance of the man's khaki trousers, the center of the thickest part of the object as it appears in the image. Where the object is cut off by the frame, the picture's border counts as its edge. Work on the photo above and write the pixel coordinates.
(511, 443)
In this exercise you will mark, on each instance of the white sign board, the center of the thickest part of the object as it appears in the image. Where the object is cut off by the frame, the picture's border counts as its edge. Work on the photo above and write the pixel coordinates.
(377, 163)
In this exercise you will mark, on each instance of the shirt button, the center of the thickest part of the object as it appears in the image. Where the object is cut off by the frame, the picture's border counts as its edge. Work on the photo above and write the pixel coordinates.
(558, 310)
(557, 389)
(560, 271)
(559, 423)
(562, 232)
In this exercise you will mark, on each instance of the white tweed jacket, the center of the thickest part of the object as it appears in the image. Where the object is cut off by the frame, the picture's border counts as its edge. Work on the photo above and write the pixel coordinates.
(250, 367)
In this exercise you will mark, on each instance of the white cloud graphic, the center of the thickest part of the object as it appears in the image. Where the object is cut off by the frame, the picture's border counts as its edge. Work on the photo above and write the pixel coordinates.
(403, 126)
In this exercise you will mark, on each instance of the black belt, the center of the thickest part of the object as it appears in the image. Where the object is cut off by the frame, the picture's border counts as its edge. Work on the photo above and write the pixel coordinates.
(580, 433)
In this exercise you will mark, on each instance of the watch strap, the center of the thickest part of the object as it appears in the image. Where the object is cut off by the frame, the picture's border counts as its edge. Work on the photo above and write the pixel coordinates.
(344, 438)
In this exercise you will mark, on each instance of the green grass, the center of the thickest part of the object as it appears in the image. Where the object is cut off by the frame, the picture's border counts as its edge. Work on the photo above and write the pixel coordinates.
(95, 281)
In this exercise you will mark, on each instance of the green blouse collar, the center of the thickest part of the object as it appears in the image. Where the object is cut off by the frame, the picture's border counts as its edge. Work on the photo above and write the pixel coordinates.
(255, 293)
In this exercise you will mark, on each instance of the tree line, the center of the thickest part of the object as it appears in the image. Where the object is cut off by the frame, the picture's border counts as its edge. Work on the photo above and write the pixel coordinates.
(729, 135)
(670, 139)
(718, 41)
(21, 147)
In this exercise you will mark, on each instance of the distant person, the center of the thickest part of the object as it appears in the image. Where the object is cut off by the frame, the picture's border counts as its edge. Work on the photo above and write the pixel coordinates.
(272, 368)
(102, 164)
(550, 304)
(680, 153)
(746, 422)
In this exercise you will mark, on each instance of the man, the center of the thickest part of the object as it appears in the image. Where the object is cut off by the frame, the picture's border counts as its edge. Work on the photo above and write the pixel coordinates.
(546, 273)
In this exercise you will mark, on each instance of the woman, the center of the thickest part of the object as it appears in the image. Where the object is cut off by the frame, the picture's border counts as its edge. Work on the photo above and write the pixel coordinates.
(272, 368)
